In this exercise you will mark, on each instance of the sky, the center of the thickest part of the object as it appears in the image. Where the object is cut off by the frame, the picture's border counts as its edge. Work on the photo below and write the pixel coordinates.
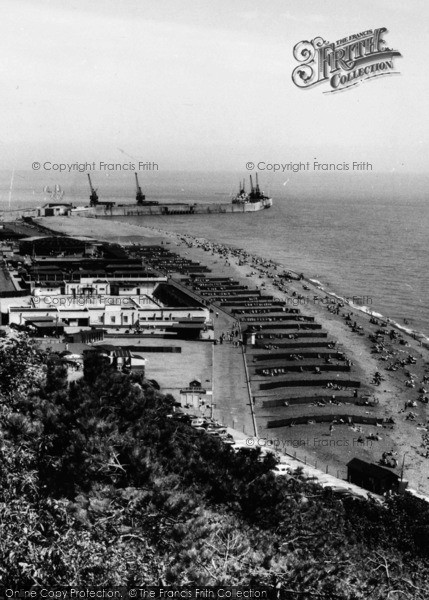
(203, 85)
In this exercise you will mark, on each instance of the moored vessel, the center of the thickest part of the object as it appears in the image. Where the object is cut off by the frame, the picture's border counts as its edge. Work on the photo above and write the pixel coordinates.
(254, 196)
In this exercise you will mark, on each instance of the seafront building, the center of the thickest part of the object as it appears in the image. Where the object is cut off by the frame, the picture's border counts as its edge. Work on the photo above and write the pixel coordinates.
(54, 209)
(73, 284)
(78, 295)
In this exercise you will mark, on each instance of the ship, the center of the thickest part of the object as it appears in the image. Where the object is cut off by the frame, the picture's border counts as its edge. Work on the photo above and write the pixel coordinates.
(255, 196)
(252, 201)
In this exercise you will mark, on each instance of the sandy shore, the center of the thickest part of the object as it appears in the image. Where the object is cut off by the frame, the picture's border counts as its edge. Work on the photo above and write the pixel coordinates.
(408, 436)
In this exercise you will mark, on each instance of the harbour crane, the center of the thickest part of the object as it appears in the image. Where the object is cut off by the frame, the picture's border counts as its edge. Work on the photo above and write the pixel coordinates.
(94, 196)
(140, 197)
(252, 189)
(258, 191)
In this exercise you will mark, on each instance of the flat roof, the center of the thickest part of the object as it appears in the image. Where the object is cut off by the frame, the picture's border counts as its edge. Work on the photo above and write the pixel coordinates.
(41, 319)
(31, 309)
(48, 284)
(371, 468)
(50, 325)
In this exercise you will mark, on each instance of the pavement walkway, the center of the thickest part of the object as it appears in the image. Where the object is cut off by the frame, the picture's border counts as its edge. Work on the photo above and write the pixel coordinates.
(230, 386)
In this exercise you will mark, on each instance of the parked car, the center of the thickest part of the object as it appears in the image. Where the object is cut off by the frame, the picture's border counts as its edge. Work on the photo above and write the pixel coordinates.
(200, 430)
(213, 425)
(181, 417)
(281, 469)
(216, 431)
(343, 492)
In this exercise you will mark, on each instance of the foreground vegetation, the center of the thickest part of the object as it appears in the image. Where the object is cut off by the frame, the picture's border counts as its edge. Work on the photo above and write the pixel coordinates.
(99, 487)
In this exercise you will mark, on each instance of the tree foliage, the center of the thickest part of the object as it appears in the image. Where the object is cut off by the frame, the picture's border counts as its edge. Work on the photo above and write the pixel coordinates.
(99, 487)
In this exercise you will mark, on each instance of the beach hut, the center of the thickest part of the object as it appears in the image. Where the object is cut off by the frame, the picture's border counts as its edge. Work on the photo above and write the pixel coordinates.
(374, 478)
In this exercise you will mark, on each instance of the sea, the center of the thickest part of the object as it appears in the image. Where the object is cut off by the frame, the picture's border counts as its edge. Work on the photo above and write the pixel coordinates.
(362, 236)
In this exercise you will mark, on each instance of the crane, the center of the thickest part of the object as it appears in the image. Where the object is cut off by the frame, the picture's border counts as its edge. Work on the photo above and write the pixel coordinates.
(258, 191)
(140, 197)
(93, 197)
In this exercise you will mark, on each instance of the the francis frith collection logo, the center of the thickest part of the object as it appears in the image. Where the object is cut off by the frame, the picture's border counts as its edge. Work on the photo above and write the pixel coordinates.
(344, 63)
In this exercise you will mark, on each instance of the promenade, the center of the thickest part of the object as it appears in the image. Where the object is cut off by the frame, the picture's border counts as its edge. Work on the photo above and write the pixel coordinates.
(230, 389)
